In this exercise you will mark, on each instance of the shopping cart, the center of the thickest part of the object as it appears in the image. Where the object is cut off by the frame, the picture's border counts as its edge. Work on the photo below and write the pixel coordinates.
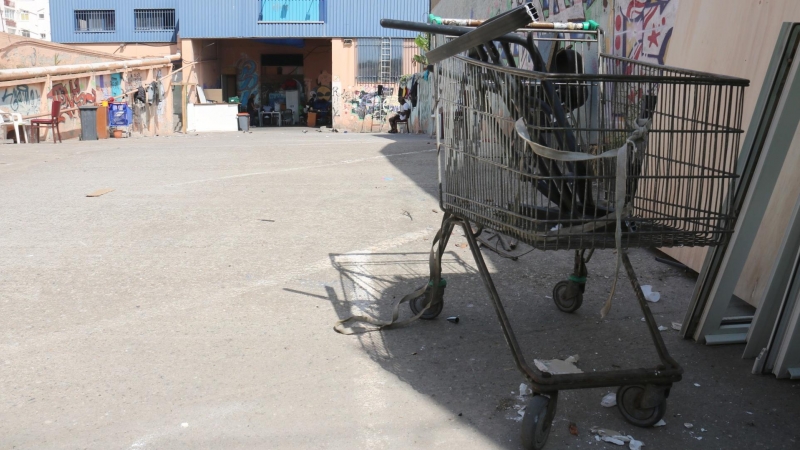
(581, 151)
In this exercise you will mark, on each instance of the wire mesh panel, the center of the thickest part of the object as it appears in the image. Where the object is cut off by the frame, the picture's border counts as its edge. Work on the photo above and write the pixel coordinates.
(679, 131)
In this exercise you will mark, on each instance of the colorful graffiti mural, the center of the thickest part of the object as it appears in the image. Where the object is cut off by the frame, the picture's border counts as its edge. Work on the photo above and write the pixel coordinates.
(247, 79)
(116, 84)
(359, 101)
(22, 99)
(643, 28)
(71, 95)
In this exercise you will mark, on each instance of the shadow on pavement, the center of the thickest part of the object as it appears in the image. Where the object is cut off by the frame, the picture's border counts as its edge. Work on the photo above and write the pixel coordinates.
(468, 368)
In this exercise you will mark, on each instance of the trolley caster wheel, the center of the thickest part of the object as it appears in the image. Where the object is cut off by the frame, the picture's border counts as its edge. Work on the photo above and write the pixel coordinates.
(568, 296)
(537, 420)
(418, 304)
(629, 402)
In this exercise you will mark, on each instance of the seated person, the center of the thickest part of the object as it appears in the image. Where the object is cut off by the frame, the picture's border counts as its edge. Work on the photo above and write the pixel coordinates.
(321, 107)
(402, 114)
(252, 110)
(309, 105)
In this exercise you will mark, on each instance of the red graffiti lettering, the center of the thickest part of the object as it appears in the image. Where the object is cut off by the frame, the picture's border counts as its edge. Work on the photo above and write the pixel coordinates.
(71, 96)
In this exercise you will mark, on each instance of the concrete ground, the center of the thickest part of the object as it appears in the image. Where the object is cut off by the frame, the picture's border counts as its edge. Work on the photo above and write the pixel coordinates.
(193, 306)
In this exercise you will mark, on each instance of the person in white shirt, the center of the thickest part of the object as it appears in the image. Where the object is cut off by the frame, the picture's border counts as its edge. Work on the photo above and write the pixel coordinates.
(401, 114)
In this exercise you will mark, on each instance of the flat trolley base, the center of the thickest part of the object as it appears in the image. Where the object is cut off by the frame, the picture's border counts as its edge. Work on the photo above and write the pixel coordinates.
(642, 392)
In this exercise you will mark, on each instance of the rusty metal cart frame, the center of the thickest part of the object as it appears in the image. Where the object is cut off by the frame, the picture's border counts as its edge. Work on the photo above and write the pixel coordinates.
(635, 155)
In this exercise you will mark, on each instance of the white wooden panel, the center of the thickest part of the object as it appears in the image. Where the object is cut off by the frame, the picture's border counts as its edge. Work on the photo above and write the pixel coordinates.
(736, 37)
(212, 117)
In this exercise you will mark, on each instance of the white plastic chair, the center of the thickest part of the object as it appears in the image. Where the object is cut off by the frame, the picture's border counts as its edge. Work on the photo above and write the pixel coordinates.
(15, 120)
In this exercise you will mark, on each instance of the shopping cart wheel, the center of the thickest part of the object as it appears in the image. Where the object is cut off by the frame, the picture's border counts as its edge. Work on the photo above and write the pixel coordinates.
(568, 296)
(418, 304)
(629, 403)
(536, 423)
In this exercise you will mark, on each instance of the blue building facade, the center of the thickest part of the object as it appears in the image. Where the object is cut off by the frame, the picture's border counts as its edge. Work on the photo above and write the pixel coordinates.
(269, 50)
(142, 21)
(103, 21)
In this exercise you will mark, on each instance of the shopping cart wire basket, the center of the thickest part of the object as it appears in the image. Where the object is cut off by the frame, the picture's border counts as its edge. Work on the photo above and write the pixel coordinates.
(580, 151)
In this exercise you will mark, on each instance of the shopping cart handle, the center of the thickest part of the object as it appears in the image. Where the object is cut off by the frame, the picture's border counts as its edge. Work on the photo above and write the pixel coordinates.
(490, 30)
(589, 25)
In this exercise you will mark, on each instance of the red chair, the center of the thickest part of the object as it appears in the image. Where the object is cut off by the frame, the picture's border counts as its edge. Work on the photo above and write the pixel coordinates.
(52, 122)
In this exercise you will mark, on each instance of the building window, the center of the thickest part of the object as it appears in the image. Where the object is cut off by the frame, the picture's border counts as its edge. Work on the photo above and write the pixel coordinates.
(44, 35)
(155, 19)
(26, 33)
(97, 20)
(12, 30)
(41, 16)
(24, 17)
(292, 11)
(8, 13)
(384, 60)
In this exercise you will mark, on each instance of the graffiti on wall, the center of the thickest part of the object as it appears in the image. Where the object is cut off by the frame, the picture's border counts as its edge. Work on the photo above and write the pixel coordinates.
(161, 108)
(102, 84)
(359, 101)
(247, 78)
(22, 99)
(28, 55)
(116, 84)
(134, 80)
(336, 98)
(71, 95)
(643, 28)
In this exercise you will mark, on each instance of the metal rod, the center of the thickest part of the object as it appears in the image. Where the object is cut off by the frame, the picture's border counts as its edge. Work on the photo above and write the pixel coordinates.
(545, 382)
(573, 26)
(672, 263)
(652, 326)
(492, 29)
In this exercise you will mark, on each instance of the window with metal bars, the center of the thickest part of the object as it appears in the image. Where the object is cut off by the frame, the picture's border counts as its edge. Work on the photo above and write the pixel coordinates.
(154, 19)
(95, 20)
(378, 63)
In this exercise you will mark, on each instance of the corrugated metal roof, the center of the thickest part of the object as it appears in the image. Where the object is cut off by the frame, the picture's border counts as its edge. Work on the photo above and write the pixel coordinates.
(237, 19)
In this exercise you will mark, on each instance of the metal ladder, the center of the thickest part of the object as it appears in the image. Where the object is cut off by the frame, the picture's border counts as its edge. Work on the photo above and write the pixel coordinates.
(384, 79)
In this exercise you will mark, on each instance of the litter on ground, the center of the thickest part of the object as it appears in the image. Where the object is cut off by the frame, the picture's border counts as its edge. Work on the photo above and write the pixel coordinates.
(558, 366)
(649, 294)
(609, 400)
(615, 437)
(100, 192)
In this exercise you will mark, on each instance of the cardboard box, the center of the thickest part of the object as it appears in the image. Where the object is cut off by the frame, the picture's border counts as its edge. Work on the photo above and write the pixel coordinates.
(312, 119)
(213, 95)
